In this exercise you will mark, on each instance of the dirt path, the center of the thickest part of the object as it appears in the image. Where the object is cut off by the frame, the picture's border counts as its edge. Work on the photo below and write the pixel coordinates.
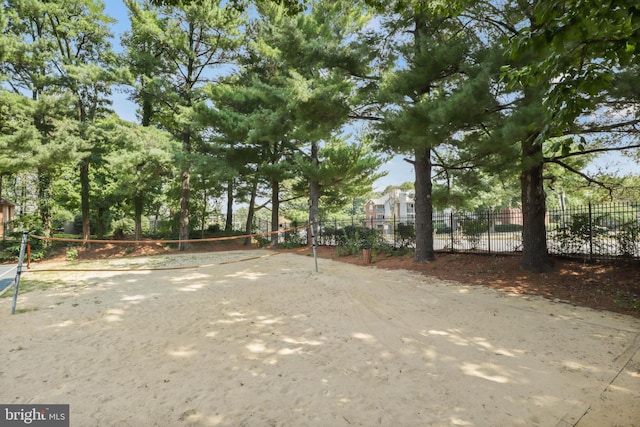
(271, 342)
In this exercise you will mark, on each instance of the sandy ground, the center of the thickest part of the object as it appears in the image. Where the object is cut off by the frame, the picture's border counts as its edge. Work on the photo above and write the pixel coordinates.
(270, 342)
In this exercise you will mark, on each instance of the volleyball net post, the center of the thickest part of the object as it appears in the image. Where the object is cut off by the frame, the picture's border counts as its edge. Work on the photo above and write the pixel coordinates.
(16, 283)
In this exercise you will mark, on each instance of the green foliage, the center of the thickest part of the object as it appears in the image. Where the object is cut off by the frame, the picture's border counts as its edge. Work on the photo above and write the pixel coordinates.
(407, 234)
(293, 239)
(123, 227)
(263, 241)
(440, 227)
(580, 231)
(628, 240)
(626, 299)
(507, 228)
(71, 254)
(126, 227)
(352, 239)
(473, 228)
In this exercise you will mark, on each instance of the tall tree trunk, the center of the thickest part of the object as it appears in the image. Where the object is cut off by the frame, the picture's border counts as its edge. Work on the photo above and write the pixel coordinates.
(100, 226)
(535, 257)
(275, 208)
(138, 203)
(183, 234)
(185, 191)
(314, 193)
(84, 199)
(203, 216)
(424, 207)
(228, 226)
(250, 213)
(44, 201)
(138, 200)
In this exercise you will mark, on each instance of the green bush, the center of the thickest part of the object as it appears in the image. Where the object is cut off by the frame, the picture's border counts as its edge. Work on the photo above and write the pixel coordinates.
(123, 227)
(628, 240)
(406, 234)
(127, 227)
(354, 238)
(441, 227)
(472, 229)
(579, 232)
(293, 239)
(507, 228)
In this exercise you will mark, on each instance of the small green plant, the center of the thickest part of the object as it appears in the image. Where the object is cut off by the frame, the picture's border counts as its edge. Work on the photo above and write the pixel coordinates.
(263, 241)
(72, 254)
(627, 300)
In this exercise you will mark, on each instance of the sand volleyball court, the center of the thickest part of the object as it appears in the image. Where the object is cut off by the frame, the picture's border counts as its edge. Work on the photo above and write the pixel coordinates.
(270, 342)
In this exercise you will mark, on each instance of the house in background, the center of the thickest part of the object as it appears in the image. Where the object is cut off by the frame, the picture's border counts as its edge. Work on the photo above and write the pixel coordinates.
(7, 213)
(396, 205)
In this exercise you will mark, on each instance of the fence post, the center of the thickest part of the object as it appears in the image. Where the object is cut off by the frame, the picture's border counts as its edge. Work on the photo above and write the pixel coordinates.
(395, 230)
(590, 232)
(451, 229)
(489, 230)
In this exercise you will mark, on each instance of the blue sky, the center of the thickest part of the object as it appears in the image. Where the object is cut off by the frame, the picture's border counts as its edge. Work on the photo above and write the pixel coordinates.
(398, 170)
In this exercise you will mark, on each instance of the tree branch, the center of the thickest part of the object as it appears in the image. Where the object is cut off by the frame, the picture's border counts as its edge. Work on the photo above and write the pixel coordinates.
(364, 117)
(583, 175)
(592, 151)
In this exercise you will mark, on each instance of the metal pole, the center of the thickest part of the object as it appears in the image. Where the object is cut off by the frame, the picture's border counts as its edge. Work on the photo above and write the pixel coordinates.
(16, 285)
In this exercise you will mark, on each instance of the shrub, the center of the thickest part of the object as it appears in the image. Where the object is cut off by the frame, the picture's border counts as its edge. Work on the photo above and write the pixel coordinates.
(472, 229)
(72, 254)
(441, 227)
(407, 234)
(355, 238)
(579, 232)
(507, 228)
(123, 227)
(628, 240)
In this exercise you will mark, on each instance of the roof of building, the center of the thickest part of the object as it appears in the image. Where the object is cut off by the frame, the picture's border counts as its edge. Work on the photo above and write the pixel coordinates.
(395, 193)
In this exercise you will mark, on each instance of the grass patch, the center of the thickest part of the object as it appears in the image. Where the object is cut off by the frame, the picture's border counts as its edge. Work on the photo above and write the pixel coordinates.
(33, 285)
(26, 310)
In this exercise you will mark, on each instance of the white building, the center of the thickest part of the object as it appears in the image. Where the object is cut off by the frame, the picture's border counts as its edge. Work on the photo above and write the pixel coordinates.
(396, 205)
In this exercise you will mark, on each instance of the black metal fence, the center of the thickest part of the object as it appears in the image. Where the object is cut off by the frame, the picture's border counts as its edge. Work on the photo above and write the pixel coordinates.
(594, 231)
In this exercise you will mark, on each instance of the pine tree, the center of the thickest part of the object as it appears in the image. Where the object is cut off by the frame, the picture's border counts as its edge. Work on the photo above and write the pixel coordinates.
(439, 90)
(61, 60)
(195, 41)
